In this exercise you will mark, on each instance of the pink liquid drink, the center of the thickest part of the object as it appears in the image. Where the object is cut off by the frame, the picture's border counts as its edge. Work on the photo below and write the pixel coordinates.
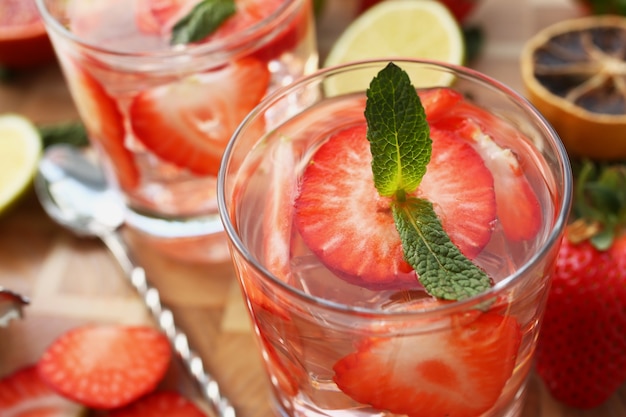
(162, 112)
(344, 325)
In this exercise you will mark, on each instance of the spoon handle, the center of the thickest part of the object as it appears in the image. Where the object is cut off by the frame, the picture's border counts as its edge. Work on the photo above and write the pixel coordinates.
(165, 320)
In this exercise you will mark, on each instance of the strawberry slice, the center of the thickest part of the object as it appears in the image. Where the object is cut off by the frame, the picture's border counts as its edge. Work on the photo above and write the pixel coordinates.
(160, 16)
(106, 366)
(458, 371)
(277, 221)
(346, 223)
(189, 122)
(437, 102)
(158, 404)
(105, 125)
(276, 166)
(23, 393)
(518, 207)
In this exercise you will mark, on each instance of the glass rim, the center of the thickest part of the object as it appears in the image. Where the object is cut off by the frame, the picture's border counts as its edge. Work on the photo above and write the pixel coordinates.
(561, 210)
(229, 45)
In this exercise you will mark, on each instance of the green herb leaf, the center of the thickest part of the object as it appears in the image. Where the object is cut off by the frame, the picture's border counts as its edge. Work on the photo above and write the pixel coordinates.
(398, 133)
(442, 269)
(401, 148)
(204, 19)
(72, 133)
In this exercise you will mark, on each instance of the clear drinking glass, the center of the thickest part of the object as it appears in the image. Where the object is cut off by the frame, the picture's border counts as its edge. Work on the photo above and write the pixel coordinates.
(335, 347)
(160, 113)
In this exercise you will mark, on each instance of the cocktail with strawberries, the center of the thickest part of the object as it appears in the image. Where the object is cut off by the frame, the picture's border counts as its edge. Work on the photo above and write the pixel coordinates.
(395, 240)
(162, 84)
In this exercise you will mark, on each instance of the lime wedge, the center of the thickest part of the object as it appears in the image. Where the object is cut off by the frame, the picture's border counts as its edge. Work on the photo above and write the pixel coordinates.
(20, 149)
(398, 29)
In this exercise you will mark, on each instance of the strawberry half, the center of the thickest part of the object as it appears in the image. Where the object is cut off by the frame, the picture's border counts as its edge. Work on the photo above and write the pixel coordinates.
(189, 122)
(24, 394)
(459, 371)
(106, 366)
(350, 227)
(159, 404)
(105, 125)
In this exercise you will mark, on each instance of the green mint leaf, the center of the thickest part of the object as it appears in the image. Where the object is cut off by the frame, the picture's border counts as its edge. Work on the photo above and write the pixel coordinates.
(204, 19)
(72, 133)
(442, 269)
(398, 133)
(401, 148)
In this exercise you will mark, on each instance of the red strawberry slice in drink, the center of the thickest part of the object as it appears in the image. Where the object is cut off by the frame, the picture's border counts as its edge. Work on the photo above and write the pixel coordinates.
(437, 102)
(24, 393)
(189, 122)
(160, 16)
(519, 210)
(106, 366)
(287, 31)
(277, 220)
(346, 223)
(104, 123)
(457, 371)
(160, 404)
(274, 254)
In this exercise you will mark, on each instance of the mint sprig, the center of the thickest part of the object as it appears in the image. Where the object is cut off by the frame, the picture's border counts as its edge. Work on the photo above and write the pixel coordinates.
(401, 148)
(205, 18)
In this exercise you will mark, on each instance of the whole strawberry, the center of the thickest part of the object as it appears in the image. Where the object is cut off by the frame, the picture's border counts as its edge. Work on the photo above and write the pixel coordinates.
(581, 355)
(604, 6)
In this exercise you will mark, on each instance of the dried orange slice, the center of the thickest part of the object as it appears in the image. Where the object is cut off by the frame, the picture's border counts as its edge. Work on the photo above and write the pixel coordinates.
(574, 72)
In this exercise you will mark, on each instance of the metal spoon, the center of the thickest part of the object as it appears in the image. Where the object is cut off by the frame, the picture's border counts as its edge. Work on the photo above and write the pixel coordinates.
(73, 191)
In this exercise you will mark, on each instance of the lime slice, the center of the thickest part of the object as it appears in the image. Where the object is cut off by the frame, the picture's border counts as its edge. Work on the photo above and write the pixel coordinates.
(398, 29)
(20, 149)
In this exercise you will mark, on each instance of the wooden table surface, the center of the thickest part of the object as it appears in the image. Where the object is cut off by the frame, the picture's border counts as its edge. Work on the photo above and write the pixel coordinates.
(72, 280)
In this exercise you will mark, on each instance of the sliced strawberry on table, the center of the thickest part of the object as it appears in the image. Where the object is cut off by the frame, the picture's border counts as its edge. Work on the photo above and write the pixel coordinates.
(160, 404)
(106, 366)
(24, 394)
(350, 227)
(189, 122)
(105, 125)
(460, 371)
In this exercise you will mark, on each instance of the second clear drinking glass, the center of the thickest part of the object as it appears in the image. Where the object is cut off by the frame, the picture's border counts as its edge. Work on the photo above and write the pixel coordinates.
(344, 327)
(161, 113)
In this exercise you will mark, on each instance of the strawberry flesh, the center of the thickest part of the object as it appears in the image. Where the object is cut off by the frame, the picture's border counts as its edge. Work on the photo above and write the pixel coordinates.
(24, 393)
(105, 125)
(189, 122)
(106, 366)
(581, 353)
(350, 227)
(459, 371)
(160, 16)
(519, 210)
(158, 404)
